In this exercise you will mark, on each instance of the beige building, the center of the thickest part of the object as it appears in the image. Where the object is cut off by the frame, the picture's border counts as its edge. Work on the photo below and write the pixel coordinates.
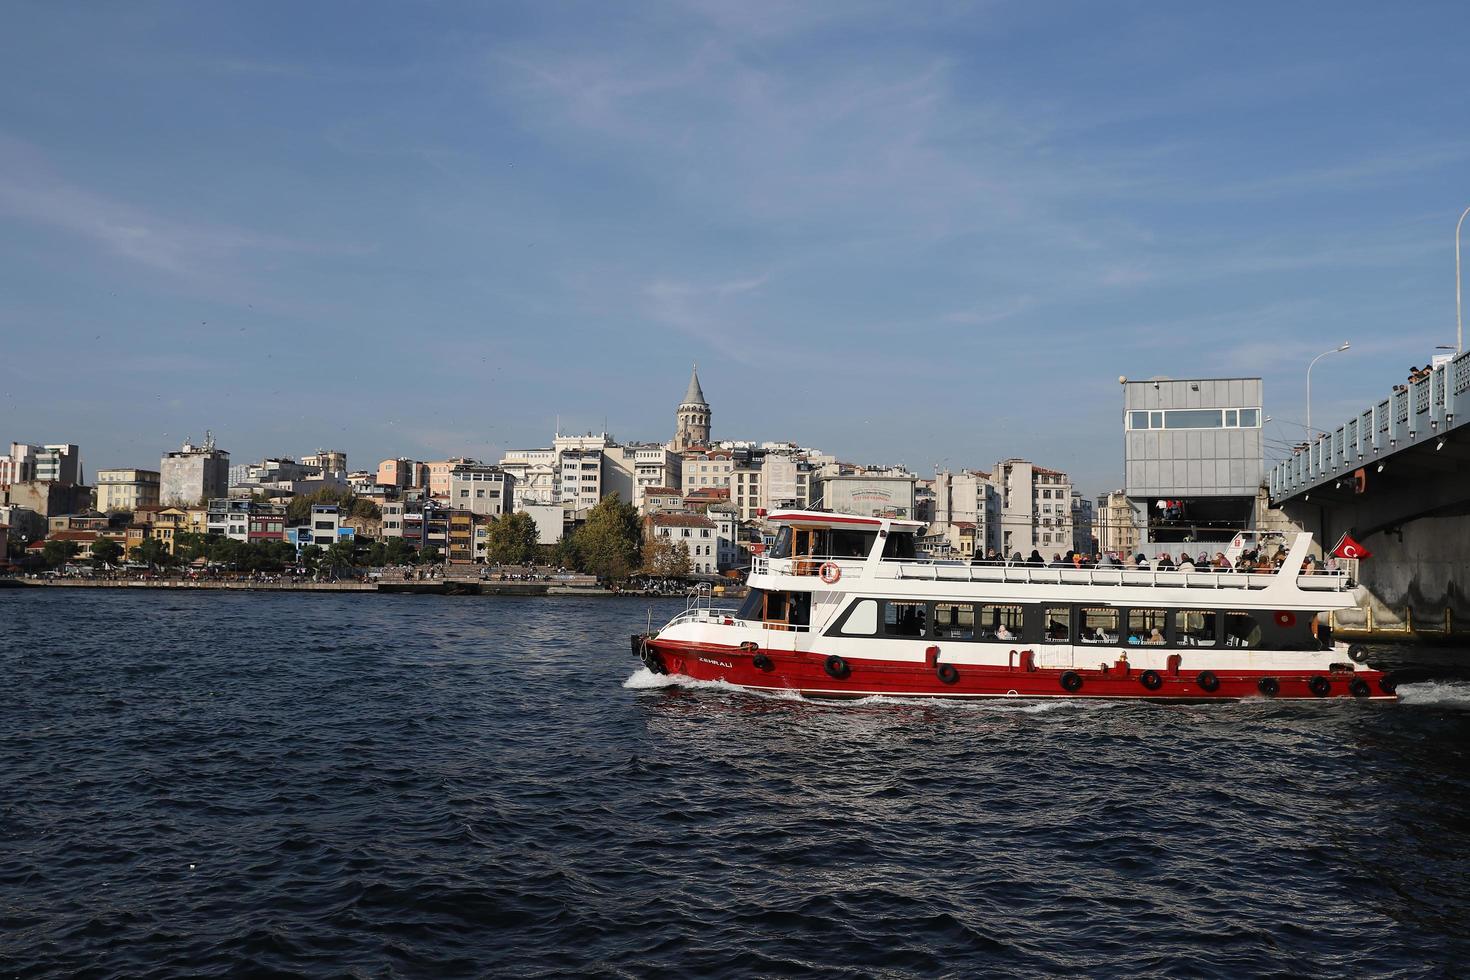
(194, 473)
(486, 491)
(327, 460)
(126, 489)
(1114, 524)
(439, 471)
(969, 497)
(713, 468)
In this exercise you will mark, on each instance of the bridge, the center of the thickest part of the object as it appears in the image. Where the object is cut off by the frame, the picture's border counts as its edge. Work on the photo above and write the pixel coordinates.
(1396, 477)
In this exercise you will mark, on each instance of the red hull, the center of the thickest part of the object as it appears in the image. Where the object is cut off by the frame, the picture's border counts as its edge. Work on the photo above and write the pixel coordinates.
(807, 673)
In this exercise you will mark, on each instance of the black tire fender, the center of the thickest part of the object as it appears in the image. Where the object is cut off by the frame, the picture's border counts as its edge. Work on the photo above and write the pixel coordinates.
(837, 668)
(1359, 688)
(1071, 681)
(947, 673)
(1268, 686)
(1387, 684)
(1320, 686)
(1358, 653)
(762, 662)
(1207, 681)
(1151, 680)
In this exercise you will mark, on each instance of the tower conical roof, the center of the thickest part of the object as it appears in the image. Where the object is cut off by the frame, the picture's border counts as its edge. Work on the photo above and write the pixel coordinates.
(695, 395)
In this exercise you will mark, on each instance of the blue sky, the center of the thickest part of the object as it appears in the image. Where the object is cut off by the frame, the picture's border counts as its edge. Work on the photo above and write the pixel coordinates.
(917, 233)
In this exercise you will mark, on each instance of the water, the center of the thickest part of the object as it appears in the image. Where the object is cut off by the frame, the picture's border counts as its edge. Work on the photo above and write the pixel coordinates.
(228, 783)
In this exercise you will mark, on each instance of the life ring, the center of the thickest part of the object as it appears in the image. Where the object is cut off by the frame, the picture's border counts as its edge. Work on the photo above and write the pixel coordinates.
(1358, 653)
(1286, 620)
(837, 667)
(1319, 686)
(1151, 680)
(1387, 684)
(1268, 686)
(947, 673)
(830, 572)
(1359, 688)
(1072, 681)
(1207, 681)
(762, 662)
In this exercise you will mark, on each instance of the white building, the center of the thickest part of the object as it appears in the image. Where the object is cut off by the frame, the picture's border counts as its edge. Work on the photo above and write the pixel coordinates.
(194, 473)
(969, 497)
(1035, 508)
(700, 534)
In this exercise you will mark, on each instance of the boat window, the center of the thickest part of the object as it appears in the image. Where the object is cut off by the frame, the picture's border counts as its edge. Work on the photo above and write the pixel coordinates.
(1098, 624)
(900, 544)
(852, 544)
(903, 619)
(863, 619)
(1001, 623)
(1195, 627)
(1058, 620)
(775, 607)
(1242, 630)
(753, 604)
(954, 621)
(799, 608)
(782, 547)
(1146, 626)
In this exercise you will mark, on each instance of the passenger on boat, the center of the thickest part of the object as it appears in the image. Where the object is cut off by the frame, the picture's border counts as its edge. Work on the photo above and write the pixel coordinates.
(1139, 561)
(1155, 639)
(1309, 566)
(1221, 562)
(1185, 565)
(1056, 560)
(1165, 563)
(1001, 633)
(1035, 560)
(1016, 559)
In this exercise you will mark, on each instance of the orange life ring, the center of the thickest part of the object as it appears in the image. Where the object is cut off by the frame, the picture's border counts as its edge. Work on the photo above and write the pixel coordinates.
(831, 572)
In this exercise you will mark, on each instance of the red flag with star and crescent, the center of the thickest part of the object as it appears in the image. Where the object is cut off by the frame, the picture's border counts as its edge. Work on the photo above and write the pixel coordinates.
(1348, 548)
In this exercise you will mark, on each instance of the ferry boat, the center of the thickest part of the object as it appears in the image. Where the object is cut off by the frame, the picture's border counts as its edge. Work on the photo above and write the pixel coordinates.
(843, 606)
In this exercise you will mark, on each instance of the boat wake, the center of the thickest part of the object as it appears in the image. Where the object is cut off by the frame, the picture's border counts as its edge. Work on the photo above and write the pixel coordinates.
(1439, 694)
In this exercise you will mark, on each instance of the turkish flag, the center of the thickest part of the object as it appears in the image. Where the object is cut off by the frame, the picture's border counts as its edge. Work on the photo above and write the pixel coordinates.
(1348, 548)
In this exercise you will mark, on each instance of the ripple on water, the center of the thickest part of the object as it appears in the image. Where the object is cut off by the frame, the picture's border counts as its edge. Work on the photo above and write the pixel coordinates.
(376, 784)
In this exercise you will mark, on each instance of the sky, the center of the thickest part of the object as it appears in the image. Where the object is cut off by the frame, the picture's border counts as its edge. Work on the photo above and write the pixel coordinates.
(933, 234)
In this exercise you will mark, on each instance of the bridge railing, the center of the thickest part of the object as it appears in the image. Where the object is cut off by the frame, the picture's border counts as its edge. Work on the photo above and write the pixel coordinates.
(1418, 410)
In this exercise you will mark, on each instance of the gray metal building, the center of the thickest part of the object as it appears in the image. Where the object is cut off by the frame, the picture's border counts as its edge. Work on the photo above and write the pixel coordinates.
(1193, 455)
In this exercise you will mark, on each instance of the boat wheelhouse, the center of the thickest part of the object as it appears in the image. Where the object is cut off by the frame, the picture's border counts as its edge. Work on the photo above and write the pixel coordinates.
(844, 606)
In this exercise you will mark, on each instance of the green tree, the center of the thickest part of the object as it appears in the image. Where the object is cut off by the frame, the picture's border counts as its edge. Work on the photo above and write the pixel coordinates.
(399, 552)
(106, 551)
(609, 542)
(153, 552)
(339, 556)
(663, 558)
(565, 554)
(512, 539)
(311, 555)
(429, 555)
(58, 553)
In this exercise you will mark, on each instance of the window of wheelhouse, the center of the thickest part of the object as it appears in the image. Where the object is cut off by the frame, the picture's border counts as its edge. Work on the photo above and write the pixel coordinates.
(1001, 623)
(1097, 624)
(1146, 626)
(782, 547)
(851, 544)
(899, 544)
(778, 610)
(954, 621)
(904, 618)
(1195, 627)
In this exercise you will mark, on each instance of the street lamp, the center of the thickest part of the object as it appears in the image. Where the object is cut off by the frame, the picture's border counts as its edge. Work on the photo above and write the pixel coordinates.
(1345, 345)
(1459, 322)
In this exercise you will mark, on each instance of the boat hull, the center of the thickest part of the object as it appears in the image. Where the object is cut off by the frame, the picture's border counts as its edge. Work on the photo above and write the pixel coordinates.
(813, 674)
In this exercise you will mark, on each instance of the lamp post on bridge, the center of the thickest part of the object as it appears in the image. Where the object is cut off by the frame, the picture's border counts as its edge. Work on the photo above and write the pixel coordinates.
(1459, 321)
(1311, 432)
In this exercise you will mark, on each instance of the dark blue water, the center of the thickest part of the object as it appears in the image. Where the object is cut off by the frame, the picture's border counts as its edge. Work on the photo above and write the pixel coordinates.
(230, 783)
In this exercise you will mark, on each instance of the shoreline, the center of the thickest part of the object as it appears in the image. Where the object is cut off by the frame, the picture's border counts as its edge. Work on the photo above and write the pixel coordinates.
(436, 587)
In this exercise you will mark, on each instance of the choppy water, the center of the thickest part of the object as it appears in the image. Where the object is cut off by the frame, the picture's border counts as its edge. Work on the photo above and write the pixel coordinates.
(220, 784)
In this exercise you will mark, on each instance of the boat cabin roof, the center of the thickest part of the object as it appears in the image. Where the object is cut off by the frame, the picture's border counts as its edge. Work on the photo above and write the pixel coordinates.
(817, 518)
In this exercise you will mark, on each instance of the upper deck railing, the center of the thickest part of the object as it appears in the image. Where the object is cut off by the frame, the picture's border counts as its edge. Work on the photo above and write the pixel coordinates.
(907, 569)
(1412, 413)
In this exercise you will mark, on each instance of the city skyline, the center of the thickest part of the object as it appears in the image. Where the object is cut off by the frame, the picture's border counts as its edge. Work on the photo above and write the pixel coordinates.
(919, 238)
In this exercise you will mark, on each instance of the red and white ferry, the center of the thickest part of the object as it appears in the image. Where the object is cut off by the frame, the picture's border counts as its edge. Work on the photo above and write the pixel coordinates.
(844, 607)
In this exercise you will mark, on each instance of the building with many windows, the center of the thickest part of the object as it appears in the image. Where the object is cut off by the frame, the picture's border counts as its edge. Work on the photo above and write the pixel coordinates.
(1035, 508)
(1193, 456)
(481, 489)
(127, 489)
